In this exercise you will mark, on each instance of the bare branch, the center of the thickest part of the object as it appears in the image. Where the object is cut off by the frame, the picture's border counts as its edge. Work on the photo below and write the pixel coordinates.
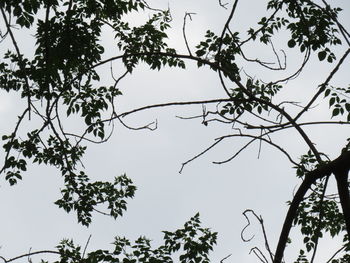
(254, 139)
(298, 71)
(147, 126)
(247, 225)
(171, 104)
(152, 8)
(184, 31)
(198, 155)
(266, 64)
(30, 254)
(223, 5)
(237, 153)
(259, 254)
(86, 245)
(261, 223)
(116, 81)
(222, 260)
(335, 254)
(286, 126)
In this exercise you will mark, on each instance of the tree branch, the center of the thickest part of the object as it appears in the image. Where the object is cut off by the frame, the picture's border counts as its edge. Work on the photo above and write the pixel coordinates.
(324, 84)
(31, 254)
(336, 166)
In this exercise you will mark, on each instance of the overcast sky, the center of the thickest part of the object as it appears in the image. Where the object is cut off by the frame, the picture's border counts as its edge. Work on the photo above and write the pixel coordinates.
(166, 199)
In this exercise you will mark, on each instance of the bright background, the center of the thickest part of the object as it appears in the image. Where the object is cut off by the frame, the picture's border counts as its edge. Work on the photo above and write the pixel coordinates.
(166, 199)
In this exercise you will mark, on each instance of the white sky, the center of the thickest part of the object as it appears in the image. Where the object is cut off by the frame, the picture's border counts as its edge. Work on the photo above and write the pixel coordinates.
(165, 199)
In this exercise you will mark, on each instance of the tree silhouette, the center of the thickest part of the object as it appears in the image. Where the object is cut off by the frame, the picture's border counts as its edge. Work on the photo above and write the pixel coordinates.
(60, 80)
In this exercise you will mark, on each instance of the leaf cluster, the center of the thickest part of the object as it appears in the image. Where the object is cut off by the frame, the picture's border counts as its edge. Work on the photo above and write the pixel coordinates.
(339, 101)
(146, 43)
(313, 26)
(192, 243)
(82, 196)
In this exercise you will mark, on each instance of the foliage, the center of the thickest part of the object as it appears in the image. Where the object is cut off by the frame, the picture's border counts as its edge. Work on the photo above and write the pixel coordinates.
(60, 82)
(194, 242)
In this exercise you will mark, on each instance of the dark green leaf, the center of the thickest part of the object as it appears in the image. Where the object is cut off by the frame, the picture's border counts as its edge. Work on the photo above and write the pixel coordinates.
(291, 43)
(322, 55)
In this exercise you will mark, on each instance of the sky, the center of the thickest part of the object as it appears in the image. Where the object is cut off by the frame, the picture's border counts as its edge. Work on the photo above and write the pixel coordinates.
(165, 199)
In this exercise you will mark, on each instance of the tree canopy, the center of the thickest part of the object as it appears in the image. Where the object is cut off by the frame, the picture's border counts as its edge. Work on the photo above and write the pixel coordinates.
(59, 81)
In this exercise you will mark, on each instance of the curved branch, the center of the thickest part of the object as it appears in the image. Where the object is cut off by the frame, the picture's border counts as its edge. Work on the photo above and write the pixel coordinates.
(237, 153)
(31, 254)
(254, 139)
(296, 73)
(266, 64)
(259, 254)
(335, 254)
(184, 31)
(147, 126)
(336, 166)
(261, 222)
(287, 225)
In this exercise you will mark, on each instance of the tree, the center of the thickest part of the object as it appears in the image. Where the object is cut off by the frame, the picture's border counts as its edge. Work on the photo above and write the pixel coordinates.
(60, 81)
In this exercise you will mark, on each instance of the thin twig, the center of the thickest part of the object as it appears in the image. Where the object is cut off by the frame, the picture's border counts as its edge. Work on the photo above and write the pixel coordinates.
(184, 31)
(31, 254)
(147, 126)
(336, 253)
(168, 104)
(259, 255)
(222, 260)
(198, 155)
(222, 4)
(86, 245)
(254, 139)
(261, 222)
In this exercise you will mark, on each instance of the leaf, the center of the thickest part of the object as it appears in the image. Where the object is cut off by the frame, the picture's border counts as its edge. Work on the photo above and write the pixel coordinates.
(335, 112)
(200, 52)
(328, 91)
(291, 43)
(322, 55)
(259, 109)
(330, 59)
(347, 107)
